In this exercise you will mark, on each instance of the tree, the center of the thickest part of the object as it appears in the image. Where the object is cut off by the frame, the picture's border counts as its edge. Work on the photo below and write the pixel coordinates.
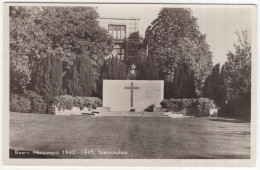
(184, 81)
(116, 69)
(148, 69)
(238, 66)
(70, 79)
(67, 31)
(237, 76)
(136, 49)
(174, 37)
(79, 79)
(20, 65)
(48, 77)
(214, 86)
(86, 79)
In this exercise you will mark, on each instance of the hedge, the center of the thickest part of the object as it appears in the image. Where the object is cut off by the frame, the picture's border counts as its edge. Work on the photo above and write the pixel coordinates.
(67, 102)
(193, 107)
(26, 102)
(34, 97)
(38, 104)
(20, 103)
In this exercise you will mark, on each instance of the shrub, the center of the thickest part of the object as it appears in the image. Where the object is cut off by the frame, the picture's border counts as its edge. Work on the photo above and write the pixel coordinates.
(20, 103)
(194, 107)
(171, 104)
(34, 97)
(132, 110)
(38, 104)
(204, 105)
(176, 105)
(149, 108)
(67, 102)
(47, 80)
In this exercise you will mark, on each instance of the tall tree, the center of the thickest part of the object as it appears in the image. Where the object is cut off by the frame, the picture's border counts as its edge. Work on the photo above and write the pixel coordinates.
(175, 37)
(48, 77)
(113, 69)
(148, 69)
(237, 76)
(238, 66)
(67, 31)
(136, 49)
(79, 79)
(214, 86)
(184, 81)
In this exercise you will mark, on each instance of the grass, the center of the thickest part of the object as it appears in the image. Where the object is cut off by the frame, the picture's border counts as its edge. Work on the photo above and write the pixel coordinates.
(137, 137)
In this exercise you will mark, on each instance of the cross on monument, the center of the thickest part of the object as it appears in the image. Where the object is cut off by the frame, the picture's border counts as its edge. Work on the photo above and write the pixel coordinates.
(132, 92)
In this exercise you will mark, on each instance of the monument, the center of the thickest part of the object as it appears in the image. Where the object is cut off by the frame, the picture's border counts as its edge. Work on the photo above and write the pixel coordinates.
(124, 95)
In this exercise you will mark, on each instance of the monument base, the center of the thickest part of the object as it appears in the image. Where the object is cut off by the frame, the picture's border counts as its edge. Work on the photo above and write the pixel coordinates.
(133, 114)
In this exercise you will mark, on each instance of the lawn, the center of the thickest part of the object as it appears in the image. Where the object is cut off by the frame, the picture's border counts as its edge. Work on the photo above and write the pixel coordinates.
(127, 137)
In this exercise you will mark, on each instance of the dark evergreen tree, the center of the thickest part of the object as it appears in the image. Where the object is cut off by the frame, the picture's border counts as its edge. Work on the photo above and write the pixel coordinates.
(48, 78)
(210, 82)
(79, 79)
(86, 80)
(148, 69)
(113, 69)
(104, 70)
(152, 67)
(214, 86)
(142, 71)
(70, 80)
(184, 81)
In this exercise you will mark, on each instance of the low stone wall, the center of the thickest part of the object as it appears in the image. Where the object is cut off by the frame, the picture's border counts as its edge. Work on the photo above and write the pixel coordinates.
(78, 111)
(73, 111)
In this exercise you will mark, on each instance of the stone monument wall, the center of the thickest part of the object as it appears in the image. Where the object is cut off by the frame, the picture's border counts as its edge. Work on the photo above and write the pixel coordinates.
(122, 95)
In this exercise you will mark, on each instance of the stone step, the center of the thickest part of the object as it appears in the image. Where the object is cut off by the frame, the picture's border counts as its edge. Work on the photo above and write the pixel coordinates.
(89, 114)
(138, 114)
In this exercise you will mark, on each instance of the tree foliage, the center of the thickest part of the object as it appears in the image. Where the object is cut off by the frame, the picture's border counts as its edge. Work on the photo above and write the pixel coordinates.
(113, 69)
(48, 77)
(79, 80)
(136, 49)
(236, 72)
(175, 37)
(214, 86)
(184, 82)
(148, 69)
(238, 66)
(67, 31)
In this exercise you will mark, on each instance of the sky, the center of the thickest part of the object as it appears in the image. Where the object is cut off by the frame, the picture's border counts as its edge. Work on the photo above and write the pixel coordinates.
(219, 22)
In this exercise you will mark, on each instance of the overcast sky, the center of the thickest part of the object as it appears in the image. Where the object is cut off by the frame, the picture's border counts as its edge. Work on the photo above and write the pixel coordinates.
(219, 23)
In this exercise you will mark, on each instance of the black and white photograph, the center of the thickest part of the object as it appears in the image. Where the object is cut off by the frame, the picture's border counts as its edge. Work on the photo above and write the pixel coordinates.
(100, 81)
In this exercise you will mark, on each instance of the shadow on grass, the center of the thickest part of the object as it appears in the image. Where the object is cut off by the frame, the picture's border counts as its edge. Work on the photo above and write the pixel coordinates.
(230, 120)
(29, 154)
